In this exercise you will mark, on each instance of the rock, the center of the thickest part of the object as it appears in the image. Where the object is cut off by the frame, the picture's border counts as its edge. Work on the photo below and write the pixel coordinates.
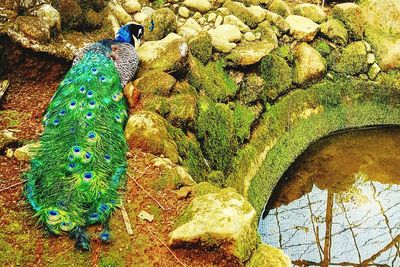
(268, 256)
(9, 153)
(243, 13)
(183, 192)
(383, 31)
(191, 23)
(187, 33)
(182, 111)
(250, 53)
(277, 20)
(72, 14)
(202, 21)
(220, 43)
(145, 216)
(132, 6)
(277, 76)
(228, 31)
(201, 47)
(335, 31)
(311, 11)
(303, 29)
(50, 15)
(30, 4)
(184, 12)
(370, 58)
(164, 23)
(218, 21)
(211, 17)
(119, 12)
(352, 17)
(249, 36)
(233, 20)
(140, 17)
(223, 219)
(202, 6)
(258, 35)
(352, 61)
(155, 82)
(251, 89)
(27, 152)
(148, 131)
(373, 71)
(309, 64)
(280, 7)
(197, 15)
(258, 12)
(6, 138)
(34, 28)
(147, 10)
(264, 28)
(168, 54)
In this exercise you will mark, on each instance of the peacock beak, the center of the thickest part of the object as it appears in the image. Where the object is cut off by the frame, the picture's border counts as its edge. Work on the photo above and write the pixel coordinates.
(136, 42)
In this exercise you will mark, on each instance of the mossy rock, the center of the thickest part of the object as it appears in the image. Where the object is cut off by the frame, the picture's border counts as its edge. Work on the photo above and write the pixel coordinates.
(212, 79)
(322, 47)
(148, 131)
(251, 89)
(280, 7)
(157, 104)
(205, 188)
(216, 132)
(201, 47)
(268, 256)
(182, 111)
(243, 119)
(223, 220)
(335, 31)
(164, 23)
(240, 11)
(34, 28)
(71, 14)
(155, 82)
(216, 178)
(352, 17)
(190, 151)
(352, 61)
(277, 76)
(309, 64)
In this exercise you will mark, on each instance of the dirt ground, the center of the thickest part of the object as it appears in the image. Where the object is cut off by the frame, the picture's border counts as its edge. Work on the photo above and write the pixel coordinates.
(33, 80)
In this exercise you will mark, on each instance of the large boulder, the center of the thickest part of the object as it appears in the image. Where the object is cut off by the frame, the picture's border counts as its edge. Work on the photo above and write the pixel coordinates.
(50, 15)
(351, 15)
(155, 82)
(382, 29)
(228, 31)
(223, 219)
(201, 47)
(148, 131)
(302, 28)
(34, 28)
(309, 64)
(168, 54)
(268, 256)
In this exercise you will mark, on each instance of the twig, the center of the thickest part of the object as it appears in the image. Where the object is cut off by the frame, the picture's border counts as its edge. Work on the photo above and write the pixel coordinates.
(11, 186)
(173, 254)
(159, 204)
(128, 224)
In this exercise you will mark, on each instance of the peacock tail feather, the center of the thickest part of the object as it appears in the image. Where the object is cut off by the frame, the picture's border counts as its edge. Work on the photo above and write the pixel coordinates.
(79, 171)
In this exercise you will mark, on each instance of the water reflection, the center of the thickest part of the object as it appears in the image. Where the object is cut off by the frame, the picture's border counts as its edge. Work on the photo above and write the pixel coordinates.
(340, 203)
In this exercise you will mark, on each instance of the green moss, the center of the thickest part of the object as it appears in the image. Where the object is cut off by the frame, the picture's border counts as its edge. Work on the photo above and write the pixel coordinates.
(277, 75)
(240, 11)
(201, 47)
(156, 82)
(182, 112)
(269, 256)
(285, 52)
(184, 217)
(251, 89)
(286, 130)
(322, 47)
(212, 79)
(157, 104)
(190, 152)
(243, 119)
(216, 178)
(352, 61)
(216, 132)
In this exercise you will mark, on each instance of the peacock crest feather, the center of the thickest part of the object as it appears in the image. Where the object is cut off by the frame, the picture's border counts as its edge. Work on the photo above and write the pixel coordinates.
(78, 174)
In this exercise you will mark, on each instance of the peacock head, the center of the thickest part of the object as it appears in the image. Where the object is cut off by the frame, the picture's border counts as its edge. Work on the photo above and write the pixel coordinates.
(130, 33)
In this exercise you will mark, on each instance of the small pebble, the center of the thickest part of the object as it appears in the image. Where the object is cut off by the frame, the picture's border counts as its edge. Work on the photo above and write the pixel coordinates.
(211, 17)
(258, 35)
(202, 21)
(197, 15)
(370, 58)
(184, 12)
(249, 36)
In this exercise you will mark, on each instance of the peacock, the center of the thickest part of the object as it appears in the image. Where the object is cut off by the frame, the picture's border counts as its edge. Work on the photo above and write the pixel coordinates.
(78, 173)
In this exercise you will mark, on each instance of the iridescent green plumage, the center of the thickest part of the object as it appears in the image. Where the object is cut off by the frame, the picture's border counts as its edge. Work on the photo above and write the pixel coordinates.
(76, 177)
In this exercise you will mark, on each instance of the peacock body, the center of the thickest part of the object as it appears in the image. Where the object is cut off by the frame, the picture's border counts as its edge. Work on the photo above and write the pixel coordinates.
(79, 171)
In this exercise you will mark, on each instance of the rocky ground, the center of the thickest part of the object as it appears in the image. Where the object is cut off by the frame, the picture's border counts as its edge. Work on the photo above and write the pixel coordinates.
(210, 72)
